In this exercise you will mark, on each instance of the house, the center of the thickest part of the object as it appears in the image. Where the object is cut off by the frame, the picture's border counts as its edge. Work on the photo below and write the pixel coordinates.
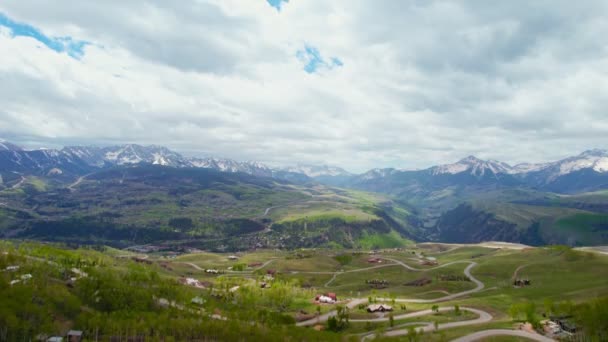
(74, 336)
(379, 308)
(198, 300)
(12, 268)
(552, 327)
(13, 282)
(325, 300)
(374, 260)
(55, 339)
(212, 271)
(565, 323)
(79, 273)
(328, 298)
(233, 257)
(192, 282)
(26, 277)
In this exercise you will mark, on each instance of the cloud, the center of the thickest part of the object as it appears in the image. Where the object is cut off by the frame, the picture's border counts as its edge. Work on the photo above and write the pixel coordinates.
(422, 82)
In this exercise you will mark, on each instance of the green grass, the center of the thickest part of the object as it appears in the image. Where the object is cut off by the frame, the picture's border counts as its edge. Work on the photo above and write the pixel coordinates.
(377, 241)
(584, 226)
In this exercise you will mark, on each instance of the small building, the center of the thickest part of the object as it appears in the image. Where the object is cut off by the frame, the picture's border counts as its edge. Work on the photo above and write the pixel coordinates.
(379, 308)
(328, 298)
(325, 300)
(74, 336)
(198, 301)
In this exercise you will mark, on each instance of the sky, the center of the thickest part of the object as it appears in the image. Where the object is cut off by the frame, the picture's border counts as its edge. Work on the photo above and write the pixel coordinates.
(353, 83)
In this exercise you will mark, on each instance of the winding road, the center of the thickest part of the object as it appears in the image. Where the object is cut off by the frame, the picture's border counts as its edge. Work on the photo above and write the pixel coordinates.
(502, 332)
(484, 317)
(355, 302)
(237, 272)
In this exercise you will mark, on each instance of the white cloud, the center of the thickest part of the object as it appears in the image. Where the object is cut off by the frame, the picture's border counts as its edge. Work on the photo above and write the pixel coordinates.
(422, 82)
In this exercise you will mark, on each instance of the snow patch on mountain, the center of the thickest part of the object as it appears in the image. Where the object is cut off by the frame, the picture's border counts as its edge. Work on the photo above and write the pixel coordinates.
(317, 170)
(472, 165)
(378, 173)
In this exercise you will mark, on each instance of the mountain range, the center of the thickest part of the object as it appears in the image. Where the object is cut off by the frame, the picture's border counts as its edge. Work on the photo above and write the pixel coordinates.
(470, 200)
(585, 172)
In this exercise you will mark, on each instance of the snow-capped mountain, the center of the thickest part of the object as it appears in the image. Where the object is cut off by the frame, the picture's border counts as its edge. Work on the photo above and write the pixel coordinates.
(473, 166)
(314, 171)
(596, 160)
(229, 165)
(41, 162)
(7, 146)
(127, 154)
(377, 173)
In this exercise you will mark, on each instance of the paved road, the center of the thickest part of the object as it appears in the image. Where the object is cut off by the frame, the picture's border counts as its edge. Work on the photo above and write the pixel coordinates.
(240, 272)
(355, 302)
(502, 332)
(484, 317)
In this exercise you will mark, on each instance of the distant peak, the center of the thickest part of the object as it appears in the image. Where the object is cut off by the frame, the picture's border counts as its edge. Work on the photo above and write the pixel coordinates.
(595, 153)
(470, 159)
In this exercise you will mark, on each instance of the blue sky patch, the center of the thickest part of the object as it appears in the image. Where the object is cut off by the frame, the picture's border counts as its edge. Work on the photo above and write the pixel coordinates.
(313, 61)
(277, 3)
(74, 48)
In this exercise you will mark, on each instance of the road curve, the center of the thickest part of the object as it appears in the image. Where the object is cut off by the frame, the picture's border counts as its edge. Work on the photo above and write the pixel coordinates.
(502, 332)
(484, 317)
(355, 302)
(467, 271)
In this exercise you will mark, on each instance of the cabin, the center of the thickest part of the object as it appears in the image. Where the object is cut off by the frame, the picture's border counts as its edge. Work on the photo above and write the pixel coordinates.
(565, 323)
(379, 308)
(324, 299)
(522, 282)
(74, 336)
(198, 301)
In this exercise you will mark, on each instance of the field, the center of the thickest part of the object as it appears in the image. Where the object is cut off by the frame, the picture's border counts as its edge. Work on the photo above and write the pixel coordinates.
(476, 281)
